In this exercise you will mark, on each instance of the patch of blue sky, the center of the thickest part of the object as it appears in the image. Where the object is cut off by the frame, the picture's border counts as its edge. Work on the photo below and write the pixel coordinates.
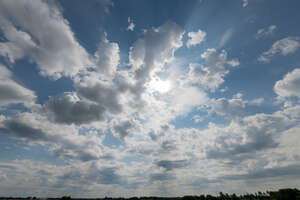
(187, 121)
(13, 109)
(28, 75)
(86, 20)
(12, 149)
(131, 159)
(111, 141)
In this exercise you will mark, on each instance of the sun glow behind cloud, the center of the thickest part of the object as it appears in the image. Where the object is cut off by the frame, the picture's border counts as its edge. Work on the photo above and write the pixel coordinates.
(161, 86)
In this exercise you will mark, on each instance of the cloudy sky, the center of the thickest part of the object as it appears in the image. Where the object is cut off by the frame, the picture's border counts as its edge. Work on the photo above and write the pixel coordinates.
(136, 98)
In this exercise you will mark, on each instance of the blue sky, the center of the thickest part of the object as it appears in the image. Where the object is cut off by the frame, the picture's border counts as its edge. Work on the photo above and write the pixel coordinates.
(137, 98)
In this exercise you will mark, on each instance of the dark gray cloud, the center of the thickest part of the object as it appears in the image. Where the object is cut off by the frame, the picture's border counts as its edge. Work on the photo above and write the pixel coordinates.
(204, 182)
(71, 152)
(105, 96)
(168, 145)
(123, 128)
(172, 164)
(22, 130)
(237, 151)
(60, 146)
(68, 108)
(108, 176)
(92, 174)
(161, 177)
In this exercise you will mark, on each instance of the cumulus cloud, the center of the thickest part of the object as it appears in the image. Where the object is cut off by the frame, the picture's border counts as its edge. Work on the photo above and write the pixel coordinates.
(232, 109)
(93, 100)
(229, 108)
(101, 93)
(20, 129)
(107, 57)
(155, 49)
(121, 129)
(264, 32)
(12, 92)
(131, 25)
(41, 34)
(249, 135)
(289, 85)
(64, 141)
(284, 47)
(69, 108)
(195, 38)
(211, 74)
(106, 92)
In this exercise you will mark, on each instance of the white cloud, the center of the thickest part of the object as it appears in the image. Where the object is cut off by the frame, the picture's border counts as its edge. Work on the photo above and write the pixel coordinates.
(43, 36)
(184, 99)
(264, 32)
(197, 118)
(288, 144)
(245, 3)
(105, 98)
(249, 135)
(257, 101)
(232, 109)
(211, 74)
(195, 38)
(289, 85)
(229, 108)
(131, 25)
(97, 91)
(155, 49)
(12, 92)
(284, 47)
(107, 57)
(234, 62)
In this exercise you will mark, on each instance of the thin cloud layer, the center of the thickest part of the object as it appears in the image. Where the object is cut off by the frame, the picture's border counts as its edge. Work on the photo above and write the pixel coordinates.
(284, 47)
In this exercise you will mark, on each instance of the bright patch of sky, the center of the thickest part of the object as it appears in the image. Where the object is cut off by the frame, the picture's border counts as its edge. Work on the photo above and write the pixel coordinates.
(120, 98)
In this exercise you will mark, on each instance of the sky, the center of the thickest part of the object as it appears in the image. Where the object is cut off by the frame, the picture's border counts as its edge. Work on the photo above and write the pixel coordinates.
(148, 98)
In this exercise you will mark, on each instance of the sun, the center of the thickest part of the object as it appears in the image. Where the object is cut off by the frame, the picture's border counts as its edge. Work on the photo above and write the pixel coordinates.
(161, 86)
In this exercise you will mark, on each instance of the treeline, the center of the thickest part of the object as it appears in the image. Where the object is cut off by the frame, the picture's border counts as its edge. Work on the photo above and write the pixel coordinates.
(282, 194)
